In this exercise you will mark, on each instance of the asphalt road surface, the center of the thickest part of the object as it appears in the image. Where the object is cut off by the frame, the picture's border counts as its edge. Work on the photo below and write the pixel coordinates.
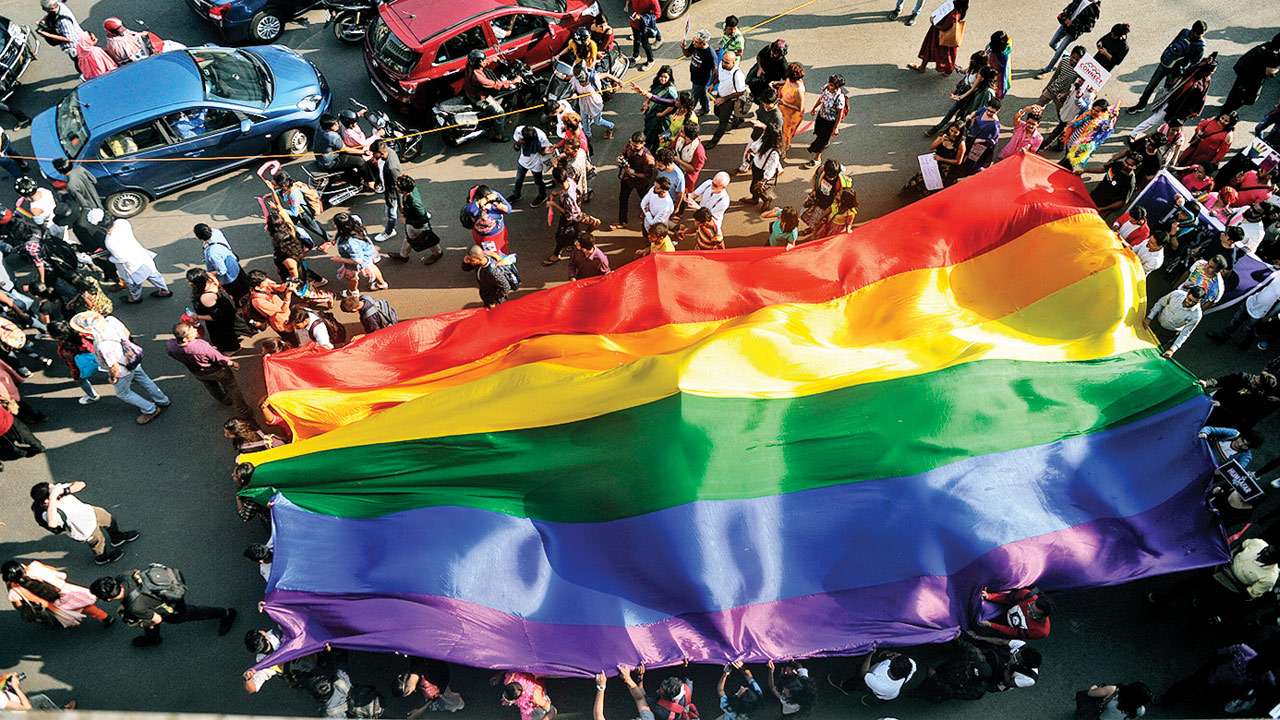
(170, 479)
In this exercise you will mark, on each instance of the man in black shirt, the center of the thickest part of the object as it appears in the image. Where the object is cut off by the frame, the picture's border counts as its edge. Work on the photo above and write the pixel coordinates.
(1252, 69)
(1112, 191)
(1113, 47)
(702, 62)
(330, 154)
(141, 604)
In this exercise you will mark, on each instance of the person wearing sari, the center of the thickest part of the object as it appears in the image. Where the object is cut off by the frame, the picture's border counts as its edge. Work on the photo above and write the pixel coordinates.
(932, 50)
(791, 103)
(998, 52)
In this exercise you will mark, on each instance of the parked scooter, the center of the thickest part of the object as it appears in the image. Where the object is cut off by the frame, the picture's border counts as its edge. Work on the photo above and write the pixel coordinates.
(406, 143)
(350, 19)
(462, 121)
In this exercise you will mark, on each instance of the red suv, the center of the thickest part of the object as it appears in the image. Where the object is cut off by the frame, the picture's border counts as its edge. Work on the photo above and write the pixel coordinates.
(416, 50)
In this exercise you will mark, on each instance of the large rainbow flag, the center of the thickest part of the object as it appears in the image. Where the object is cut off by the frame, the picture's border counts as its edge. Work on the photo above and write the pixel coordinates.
(749, 453)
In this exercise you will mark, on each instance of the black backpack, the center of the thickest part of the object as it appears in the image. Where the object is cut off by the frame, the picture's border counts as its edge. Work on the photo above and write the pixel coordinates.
(364, 702)
(160, 582)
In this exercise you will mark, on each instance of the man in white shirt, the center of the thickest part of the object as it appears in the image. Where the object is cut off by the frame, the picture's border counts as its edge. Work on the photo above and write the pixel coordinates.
(135, 263)
(1250, 220)
(1178, 312)
(884, 673)
(115, 350)
(59, 511)
(1260, 305)
(657, 204)
(533, 151)
(713, 195)
(1151, 253)
(728, 84)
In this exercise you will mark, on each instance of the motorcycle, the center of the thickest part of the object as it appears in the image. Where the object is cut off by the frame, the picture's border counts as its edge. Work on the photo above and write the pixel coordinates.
(350, 19)
(461, 121)
(407, 144)
(559, 84)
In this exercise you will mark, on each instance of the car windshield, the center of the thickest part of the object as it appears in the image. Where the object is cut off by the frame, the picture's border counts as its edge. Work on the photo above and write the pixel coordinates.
(390, 51)
(72, 132)
(556, 6)
(233, 75)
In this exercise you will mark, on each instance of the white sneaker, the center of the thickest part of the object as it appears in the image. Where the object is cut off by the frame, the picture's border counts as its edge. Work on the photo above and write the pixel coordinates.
(383, 237)
(89, 399)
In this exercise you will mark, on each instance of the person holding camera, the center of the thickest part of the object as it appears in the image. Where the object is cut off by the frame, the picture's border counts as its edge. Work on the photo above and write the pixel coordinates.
(635, 175)
(154, 596)
(57, 509)
(16, 699)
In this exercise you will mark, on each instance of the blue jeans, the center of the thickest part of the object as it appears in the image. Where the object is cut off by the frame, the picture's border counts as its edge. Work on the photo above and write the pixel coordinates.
(11, 166)
(1058, 43)
(124, 390)
(597, 119)
(700, 99)
(915, 11)
(393, 213)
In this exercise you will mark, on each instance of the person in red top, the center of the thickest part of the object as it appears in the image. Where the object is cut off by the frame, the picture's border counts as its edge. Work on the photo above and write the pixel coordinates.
(1132, 227)
(1197, 180)
(1024, 613)
(1211, 141)
(644, 19)
(1253, 186)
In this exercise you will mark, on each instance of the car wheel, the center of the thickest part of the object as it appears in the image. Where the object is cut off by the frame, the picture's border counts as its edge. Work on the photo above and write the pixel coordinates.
(127, 203)
(293, 142)
(266, 26)
(675, 9)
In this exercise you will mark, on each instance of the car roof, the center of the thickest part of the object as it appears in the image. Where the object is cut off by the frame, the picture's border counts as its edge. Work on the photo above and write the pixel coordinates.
(140, 88)
(427, 18)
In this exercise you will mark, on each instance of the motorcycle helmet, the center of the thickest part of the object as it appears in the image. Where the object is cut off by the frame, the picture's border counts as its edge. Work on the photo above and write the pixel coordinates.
(24, 186)
(581, 36)
(348, 117)
(474, 58)
(112, 25)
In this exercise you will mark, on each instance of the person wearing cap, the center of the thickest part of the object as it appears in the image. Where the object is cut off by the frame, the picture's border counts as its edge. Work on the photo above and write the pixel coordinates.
(713, 195)
(81, 184)
(60, 27)
(125, 45)
(1178, 312)
(135, 263)
(115, 351)
(702, 63)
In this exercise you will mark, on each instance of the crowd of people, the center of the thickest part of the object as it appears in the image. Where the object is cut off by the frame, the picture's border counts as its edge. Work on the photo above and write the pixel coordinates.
(76, 256)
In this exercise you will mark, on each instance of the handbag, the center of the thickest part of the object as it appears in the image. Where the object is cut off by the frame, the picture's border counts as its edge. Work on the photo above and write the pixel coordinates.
(1089, 707)
(952, 36)
(132, 353)
(426, 239)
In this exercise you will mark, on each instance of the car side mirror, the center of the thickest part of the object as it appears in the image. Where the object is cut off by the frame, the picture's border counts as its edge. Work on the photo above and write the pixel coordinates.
(245, 126)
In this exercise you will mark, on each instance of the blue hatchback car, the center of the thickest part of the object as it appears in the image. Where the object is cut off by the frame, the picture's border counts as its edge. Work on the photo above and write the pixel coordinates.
(229, 105)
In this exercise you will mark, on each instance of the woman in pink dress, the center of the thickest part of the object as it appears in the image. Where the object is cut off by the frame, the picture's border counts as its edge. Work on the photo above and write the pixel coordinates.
(932, 50)
(45, 589)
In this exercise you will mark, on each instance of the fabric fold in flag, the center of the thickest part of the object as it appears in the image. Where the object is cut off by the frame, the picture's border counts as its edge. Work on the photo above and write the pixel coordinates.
(806, 452)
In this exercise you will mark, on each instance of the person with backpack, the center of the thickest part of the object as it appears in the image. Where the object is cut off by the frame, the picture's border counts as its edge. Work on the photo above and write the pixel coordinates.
(496, 275)
(302, 204)
(121, 357)
(310, 327)
(418, 235)
(485, 216)
(375, 313)
(675, 697)
(155, 595)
